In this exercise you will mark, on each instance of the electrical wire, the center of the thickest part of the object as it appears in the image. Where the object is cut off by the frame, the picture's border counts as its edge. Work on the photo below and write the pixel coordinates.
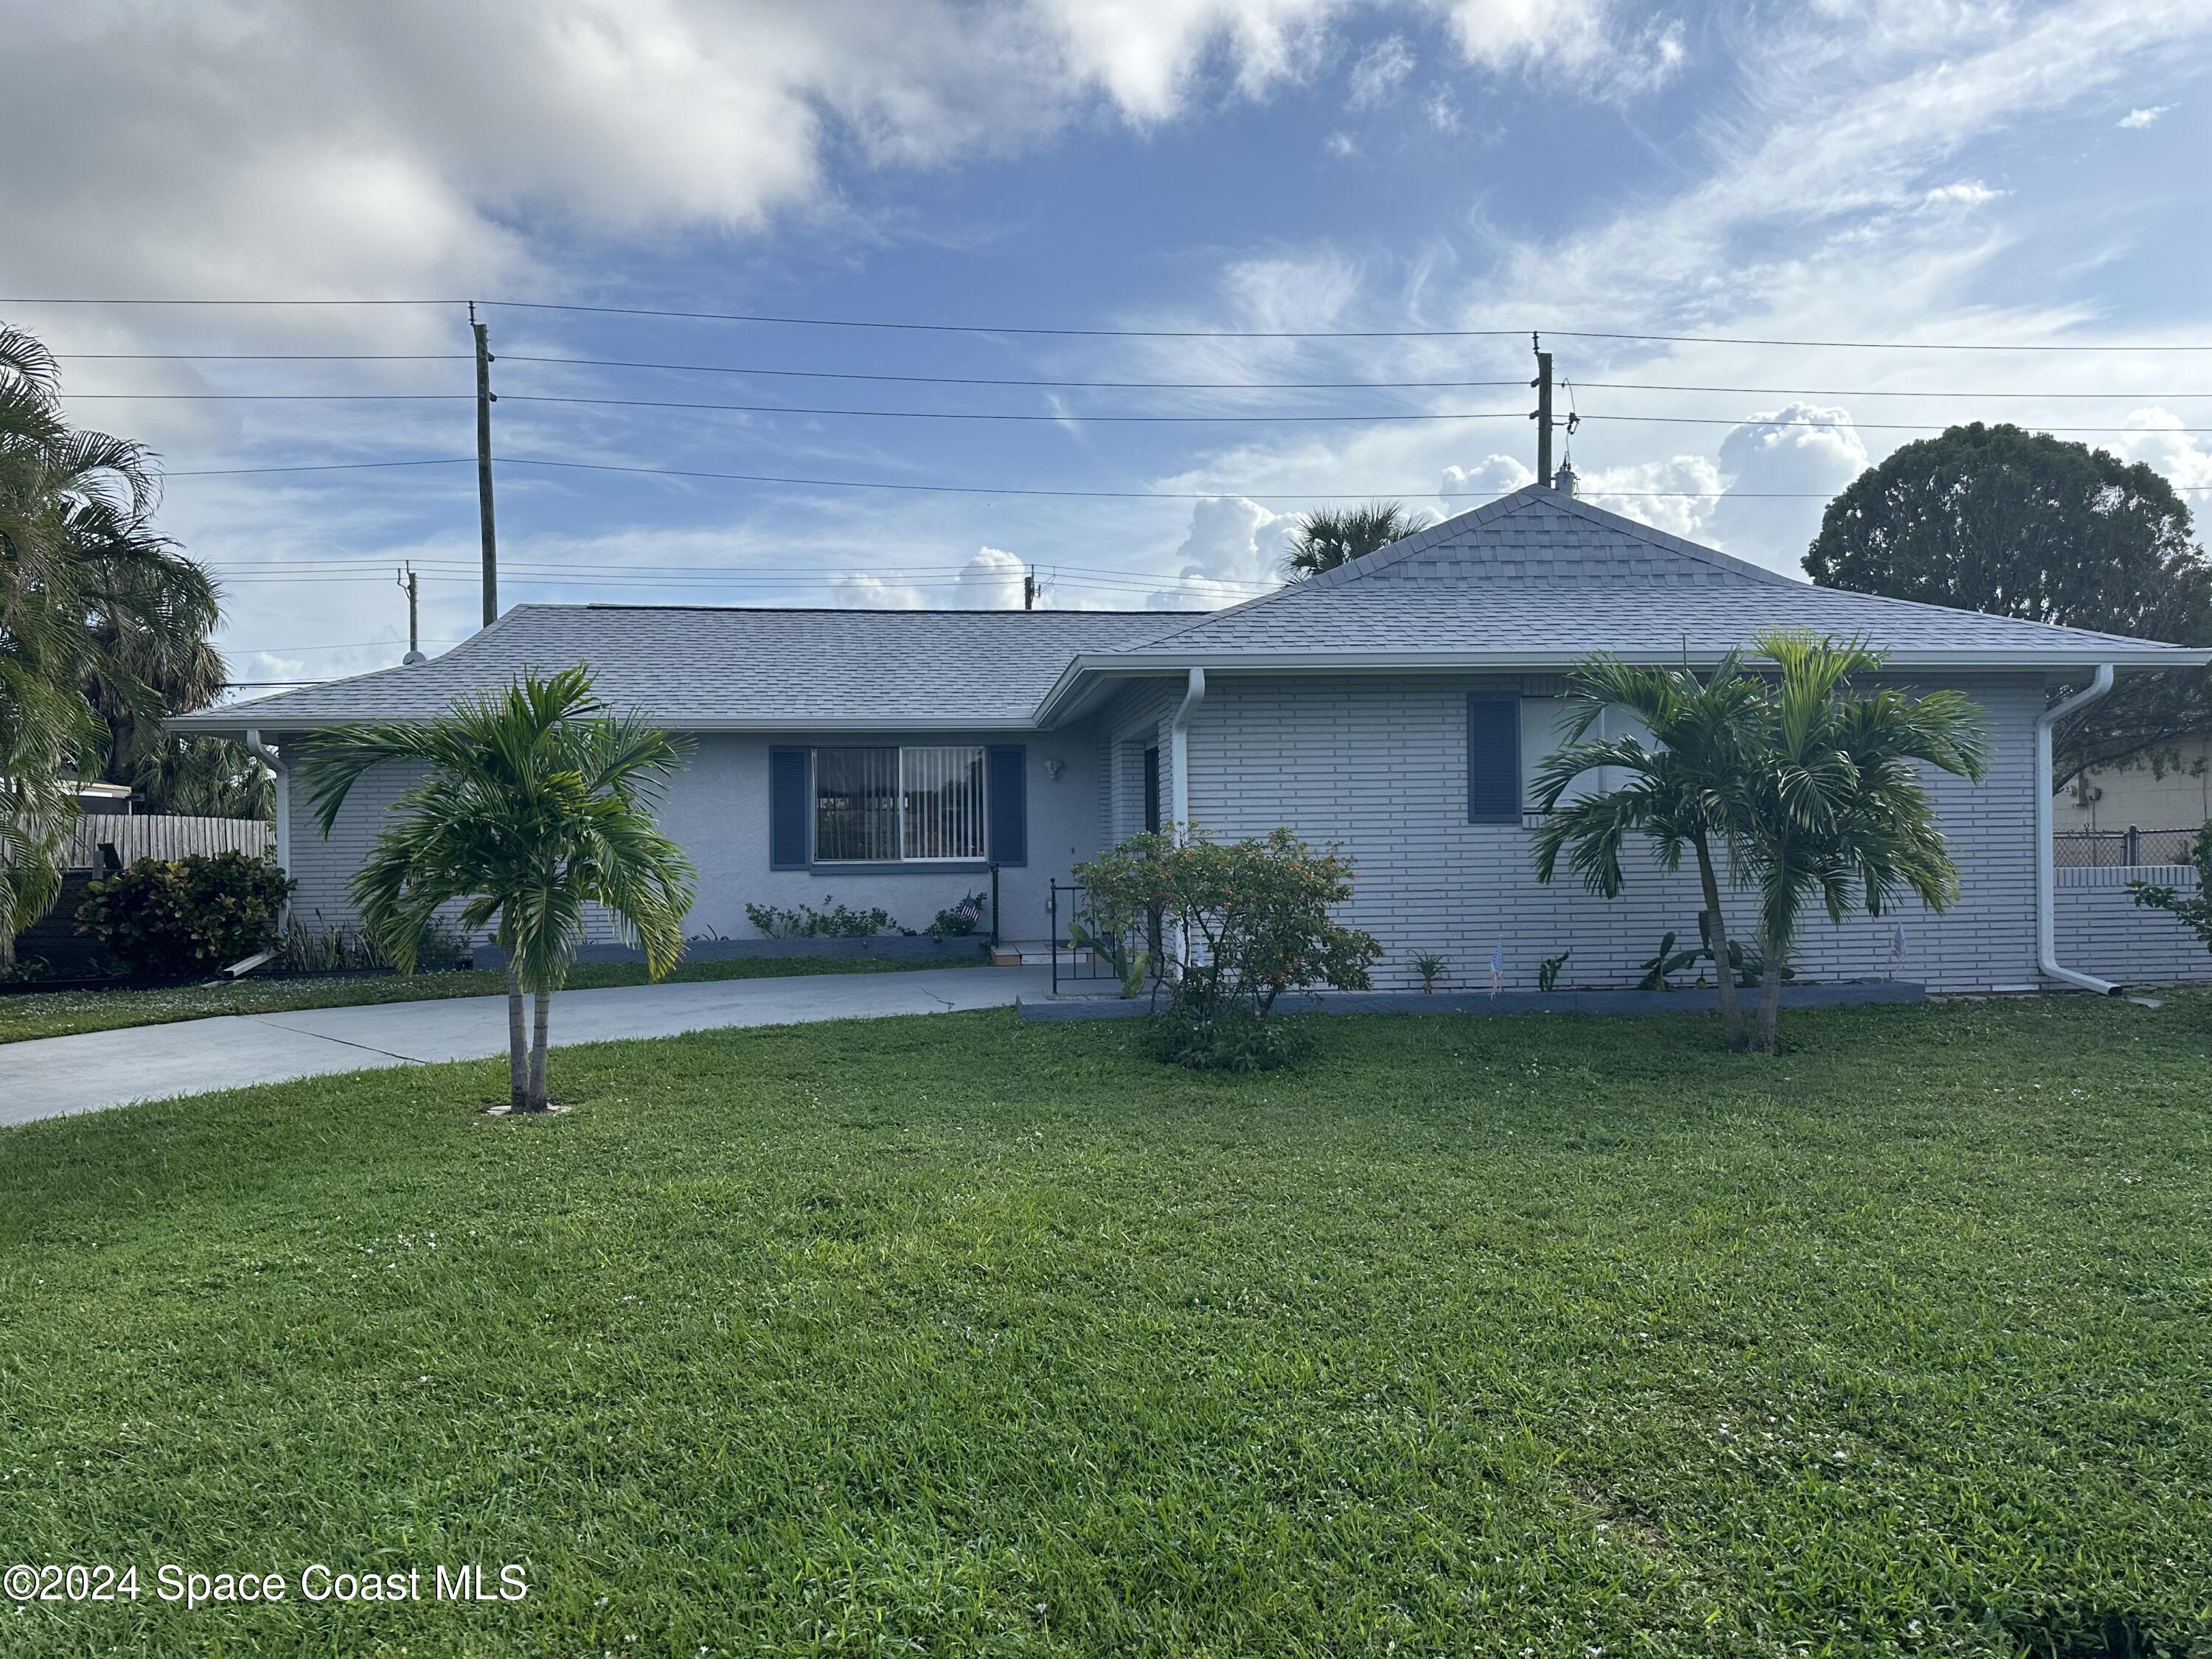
(1421, 492)
(781, 320)
(1061, 385)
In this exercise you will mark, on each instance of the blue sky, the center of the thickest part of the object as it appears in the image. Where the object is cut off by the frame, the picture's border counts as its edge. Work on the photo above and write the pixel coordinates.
(1928, 172)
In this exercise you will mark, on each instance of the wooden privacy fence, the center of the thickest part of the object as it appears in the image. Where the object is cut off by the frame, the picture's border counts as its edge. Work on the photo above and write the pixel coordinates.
(157, 836)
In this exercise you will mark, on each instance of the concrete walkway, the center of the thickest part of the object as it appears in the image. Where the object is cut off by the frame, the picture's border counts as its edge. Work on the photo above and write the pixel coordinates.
(49, 1077)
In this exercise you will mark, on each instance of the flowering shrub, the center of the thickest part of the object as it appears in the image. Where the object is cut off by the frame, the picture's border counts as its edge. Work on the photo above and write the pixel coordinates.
(1240, 922)
(193, 916)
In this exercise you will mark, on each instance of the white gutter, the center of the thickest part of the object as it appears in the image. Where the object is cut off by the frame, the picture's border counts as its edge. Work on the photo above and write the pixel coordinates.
(2046, 875)
(1179, 748)
(267, 757)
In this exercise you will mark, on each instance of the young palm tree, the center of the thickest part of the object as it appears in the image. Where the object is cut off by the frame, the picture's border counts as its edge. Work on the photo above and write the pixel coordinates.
(532, 803)
(1331, 535)
(1683, 795)
(1835, 803)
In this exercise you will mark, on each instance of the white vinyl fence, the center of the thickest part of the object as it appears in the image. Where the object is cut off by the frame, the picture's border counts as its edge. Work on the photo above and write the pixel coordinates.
(156, 836)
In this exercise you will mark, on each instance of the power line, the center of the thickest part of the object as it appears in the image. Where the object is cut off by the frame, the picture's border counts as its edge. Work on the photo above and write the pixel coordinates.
(1062, 384)
(1361, 417)
(781, 320)
(1419, 492)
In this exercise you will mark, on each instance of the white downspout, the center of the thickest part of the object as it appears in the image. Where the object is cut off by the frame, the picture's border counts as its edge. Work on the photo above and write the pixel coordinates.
(269, 758)
(1179, 749)
(2046, 874)
(1179, 784)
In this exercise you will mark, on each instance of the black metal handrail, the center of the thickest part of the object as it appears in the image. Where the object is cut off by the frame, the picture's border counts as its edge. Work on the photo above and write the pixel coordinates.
(1083, 953)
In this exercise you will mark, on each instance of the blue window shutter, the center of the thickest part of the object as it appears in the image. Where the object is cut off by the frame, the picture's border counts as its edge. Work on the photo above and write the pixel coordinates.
(1008, 794)
(1493, 759)
(789, 810)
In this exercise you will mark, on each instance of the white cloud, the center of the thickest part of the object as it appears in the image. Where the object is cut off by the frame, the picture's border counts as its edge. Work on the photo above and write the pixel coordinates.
(992, 581)
(1466, 487)
(1232, 552)
(851, 590)
(2155, 437)
(1340, 145)
(1576, 39)
(251, 146)
(2139, 118)
(1442, 110)
(1967, 192)
(1380, 70)
(1675, 494)
(1781, 469)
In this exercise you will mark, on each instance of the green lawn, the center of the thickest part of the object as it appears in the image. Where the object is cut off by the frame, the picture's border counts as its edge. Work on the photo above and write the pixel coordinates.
(58, 1014)
(952, 1335)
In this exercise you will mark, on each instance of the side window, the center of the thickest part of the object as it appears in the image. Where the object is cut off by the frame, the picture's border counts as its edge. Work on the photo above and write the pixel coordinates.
(1544, 725)
(1493, 758)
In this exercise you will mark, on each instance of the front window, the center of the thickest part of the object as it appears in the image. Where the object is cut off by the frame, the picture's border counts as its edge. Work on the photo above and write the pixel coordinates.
(884, 806)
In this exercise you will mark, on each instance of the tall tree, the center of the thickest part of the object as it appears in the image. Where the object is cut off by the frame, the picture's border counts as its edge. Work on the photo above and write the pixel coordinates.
(1683, 793)
(2021, 523)
(532, 803)
(1330, 536)
(89, 595)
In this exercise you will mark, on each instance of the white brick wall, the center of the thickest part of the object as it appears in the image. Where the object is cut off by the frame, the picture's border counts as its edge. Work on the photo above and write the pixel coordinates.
(1380, 767)
(2103, 931)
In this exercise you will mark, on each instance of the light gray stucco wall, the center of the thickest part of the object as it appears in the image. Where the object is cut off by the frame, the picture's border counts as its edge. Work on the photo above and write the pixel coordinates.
(717, 809)
(1379, 765)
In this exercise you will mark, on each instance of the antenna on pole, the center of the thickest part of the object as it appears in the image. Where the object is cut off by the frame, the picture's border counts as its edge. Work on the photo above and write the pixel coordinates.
(484, 401)
(1543, 416)
(410, 584)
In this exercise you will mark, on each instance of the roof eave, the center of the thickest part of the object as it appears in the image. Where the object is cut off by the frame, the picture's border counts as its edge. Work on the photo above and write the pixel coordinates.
(214, 724)
(1149, 664)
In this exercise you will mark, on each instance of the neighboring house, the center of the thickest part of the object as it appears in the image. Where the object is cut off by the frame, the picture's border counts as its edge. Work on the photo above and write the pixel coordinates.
(2174, 794)
(1396, 706)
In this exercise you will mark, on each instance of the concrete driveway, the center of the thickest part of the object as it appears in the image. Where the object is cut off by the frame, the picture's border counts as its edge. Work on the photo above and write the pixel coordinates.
(50, 1076)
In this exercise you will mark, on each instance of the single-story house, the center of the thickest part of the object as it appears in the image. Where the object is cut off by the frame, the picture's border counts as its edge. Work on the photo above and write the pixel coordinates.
(1396, 707)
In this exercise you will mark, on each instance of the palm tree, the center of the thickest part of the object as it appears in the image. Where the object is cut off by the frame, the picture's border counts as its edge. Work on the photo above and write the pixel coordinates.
(89, 595)
(1835, 803)
(533, 802)
(1330, 536)
(1684, 794)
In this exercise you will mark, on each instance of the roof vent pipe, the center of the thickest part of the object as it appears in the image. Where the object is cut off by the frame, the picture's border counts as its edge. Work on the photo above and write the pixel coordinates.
(1564, 480)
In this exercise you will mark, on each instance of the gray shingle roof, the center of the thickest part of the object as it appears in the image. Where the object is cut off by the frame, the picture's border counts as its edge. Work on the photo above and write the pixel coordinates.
(700, 668)
(1539, 575)
(1534, 579)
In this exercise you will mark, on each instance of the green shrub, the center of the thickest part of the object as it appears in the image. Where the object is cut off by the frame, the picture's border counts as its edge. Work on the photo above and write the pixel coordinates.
(193, 916)
(2192, 909)
(1230, 1038)
(838, 921)
(328, 947)
(1239, 923)
(959, 921)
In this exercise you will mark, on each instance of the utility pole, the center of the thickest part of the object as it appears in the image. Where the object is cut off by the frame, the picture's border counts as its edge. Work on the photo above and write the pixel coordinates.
(410, 586)
(1543, 416)
(1029, 588)
(484, 401)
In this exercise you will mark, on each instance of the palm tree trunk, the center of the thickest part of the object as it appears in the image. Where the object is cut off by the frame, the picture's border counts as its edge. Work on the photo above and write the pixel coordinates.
(1732, 1030)
(545, 1001)
(1770, 997)
(518, 1044)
